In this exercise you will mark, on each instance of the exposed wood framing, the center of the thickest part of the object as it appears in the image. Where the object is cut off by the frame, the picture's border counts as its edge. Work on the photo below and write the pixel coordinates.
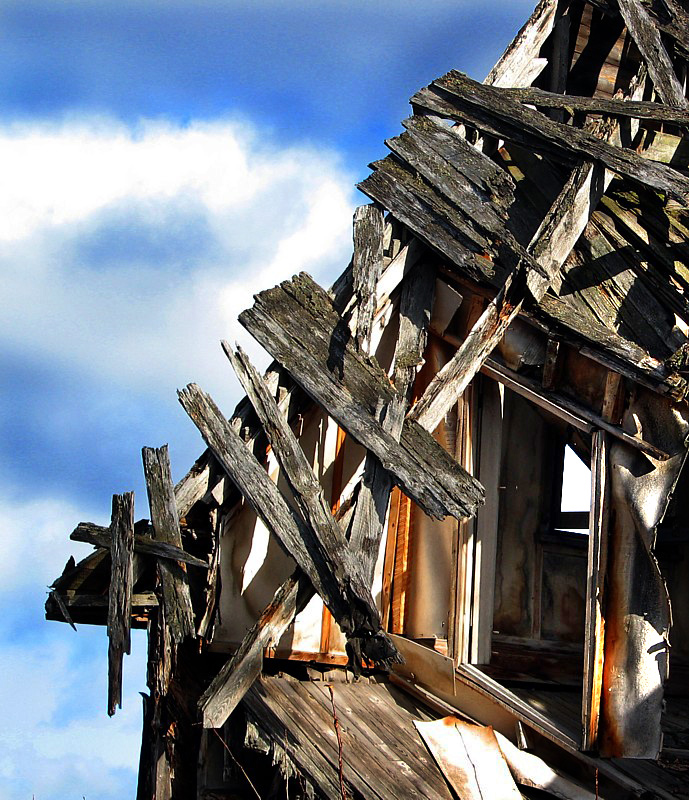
(458, 97)
(372, 504)
(337, 584)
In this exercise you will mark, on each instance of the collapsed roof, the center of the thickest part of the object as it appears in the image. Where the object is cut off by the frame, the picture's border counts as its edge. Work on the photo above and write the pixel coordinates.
(532, 232)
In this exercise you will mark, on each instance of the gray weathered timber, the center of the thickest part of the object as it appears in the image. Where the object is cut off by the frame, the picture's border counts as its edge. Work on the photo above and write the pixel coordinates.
(194, 485)
(430, 216)
(324, 534)
(297, 538)
(647, 38)
(179, 615)
(479, 210)
(367, 265)
(520, 64)
(237, 675)
(120, 593)
(101, 537)
(368, 524)
(550, 246)
(298, 325)
(636, 109)
(458, 97)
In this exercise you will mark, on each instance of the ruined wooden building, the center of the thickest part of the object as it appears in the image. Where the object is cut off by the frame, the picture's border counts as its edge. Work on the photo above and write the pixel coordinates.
(367, 586)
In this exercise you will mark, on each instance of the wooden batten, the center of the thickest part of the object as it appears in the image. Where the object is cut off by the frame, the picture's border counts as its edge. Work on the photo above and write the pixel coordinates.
(174, 581)
(120, 593)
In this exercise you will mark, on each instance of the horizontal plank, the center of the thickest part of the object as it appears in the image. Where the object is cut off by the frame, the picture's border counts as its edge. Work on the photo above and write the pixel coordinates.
(637, 109)
(100, 536)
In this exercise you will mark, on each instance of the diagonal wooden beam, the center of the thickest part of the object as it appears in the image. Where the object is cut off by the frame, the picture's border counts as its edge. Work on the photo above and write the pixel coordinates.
(337, 585)
(298, 325)
(646, 36)
(550, 246)
(179, 614)
(324, 534)
(371, 508)
(120, 593)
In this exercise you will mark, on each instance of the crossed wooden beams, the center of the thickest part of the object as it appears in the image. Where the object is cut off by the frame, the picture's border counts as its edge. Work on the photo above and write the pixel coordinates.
(126, 551)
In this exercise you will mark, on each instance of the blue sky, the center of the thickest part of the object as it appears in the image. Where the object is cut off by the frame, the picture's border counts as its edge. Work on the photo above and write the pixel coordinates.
(161, 162)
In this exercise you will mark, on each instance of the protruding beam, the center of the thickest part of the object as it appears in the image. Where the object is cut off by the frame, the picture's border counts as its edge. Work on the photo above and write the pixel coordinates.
(297, 323)
(101, 537)
(337, 586)
(367, 266)
(120, 593)
(323, 535)
(179, 614)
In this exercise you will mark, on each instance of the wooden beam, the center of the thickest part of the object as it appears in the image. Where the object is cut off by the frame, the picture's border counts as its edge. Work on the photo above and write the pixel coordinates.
(367, 266)
(337, 588)
(636, 109)
(323, 538)
(570, 411)
(297, 323)
(550, 246)
(458, 97)
(520, 64)
(238, 674)
(101, 537)
(646, 36)
(369, 516)
(120, 593)
(179, 615)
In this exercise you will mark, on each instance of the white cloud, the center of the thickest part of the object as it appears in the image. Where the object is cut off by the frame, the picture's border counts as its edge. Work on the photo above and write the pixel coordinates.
(220, 212)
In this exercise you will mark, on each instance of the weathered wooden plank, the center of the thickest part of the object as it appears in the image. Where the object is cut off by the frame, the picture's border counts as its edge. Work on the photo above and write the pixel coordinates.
(323, 535)
(637, 109)
(550, 246)
(458, 97)
(179, 614)
(367, 265)
(371, 508)
(432, 218)
(647, 38)
(297, 323)
(238, 674)
(520, 64)
(469, 758)
(194, 485)
(141, 601)
(120, 593)
(101, 537)
(264, 497)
